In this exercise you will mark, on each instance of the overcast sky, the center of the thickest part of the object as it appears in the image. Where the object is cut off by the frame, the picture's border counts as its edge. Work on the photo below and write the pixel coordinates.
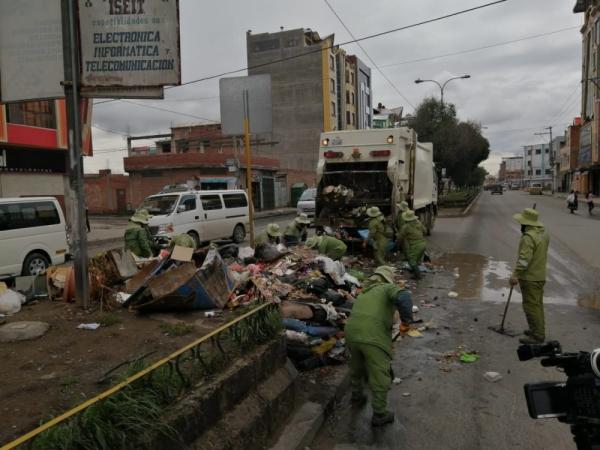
(515, 89)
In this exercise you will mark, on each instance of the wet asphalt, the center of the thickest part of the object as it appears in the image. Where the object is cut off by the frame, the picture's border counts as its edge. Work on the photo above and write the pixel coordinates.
(442, 403)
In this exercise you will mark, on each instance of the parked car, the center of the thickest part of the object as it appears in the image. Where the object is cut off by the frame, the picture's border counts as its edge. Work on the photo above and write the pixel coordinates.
(32, 235)
(204, 215)
(496, 189)
(306, 203)
(535, 189)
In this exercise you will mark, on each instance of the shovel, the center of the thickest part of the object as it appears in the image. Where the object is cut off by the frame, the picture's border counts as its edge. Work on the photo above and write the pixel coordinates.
(501, 328)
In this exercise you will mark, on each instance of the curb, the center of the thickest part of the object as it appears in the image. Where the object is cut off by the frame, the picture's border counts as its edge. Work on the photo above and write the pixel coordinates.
(464, 212)
(308, 419)
(279, 212)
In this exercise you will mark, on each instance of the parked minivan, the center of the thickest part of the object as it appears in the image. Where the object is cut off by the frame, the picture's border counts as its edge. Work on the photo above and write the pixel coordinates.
(204, 215)
(32, 235)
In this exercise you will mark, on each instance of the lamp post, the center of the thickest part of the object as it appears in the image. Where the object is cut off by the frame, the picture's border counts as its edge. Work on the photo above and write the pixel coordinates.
(442, 86)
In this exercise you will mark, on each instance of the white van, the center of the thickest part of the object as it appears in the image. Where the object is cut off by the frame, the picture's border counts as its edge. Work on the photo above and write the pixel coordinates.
(32, 235)
(204, 215)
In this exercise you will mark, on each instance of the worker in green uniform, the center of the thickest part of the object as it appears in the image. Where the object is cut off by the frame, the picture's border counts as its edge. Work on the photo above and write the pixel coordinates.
(530, 273)
(412, 234)
(328, 245)
(377, 234)
(271, 235)
(402, 207)
(369, 339)
(296, 231)
(183, 240)
(138, 239)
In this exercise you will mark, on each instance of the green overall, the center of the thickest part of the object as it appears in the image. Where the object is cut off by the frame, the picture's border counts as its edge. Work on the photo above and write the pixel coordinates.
(264, 238)
(412, 234)
(331, 247)
(138, 240)
(183, 240)
(298, 232)
(377, 235)
(531, 272)
(400, 243)
(369, 338)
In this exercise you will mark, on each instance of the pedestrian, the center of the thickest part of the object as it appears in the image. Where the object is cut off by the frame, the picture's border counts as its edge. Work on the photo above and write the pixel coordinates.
(377, 236)
(413, 235)
(272, 235)
(369, 339)
(590, 202)
(530, 273)
(572, 202)
(329, 246)
(297, 231)
(138, 239)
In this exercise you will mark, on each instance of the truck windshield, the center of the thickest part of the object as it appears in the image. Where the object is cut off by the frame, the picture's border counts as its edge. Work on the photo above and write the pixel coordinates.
(160, 205)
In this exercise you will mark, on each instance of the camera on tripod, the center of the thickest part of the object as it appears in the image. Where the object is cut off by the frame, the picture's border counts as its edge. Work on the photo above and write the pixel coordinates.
(576, 400)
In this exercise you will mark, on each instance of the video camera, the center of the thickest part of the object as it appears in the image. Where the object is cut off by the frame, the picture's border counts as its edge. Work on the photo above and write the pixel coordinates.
(575, 401)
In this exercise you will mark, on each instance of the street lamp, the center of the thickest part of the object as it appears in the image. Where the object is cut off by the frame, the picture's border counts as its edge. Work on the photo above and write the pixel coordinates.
(442, 86)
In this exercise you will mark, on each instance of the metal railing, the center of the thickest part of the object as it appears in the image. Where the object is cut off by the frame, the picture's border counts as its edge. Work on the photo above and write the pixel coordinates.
(174, 374)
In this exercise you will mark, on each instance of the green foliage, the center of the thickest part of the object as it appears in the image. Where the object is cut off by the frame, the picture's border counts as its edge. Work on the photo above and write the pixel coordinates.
(457, 146)
(176, 329)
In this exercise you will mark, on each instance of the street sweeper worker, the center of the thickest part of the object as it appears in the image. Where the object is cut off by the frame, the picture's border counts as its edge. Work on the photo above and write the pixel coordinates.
(271, 235)
(138, 239)
(412, 234)
(328, 245)
(296, 231)
(377, 236)
(530, 273)
(368, 334)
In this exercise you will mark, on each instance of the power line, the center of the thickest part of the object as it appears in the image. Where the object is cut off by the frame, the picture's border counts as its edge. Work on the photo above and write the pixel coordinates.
(368, 56)
(470, 50)
(171, 111)
(353, 41)
(110, 130)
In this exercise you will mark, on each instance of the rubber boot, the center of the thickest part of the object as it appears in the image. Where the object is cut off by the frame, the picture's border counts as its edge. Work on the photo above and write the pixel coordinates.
(381, 419)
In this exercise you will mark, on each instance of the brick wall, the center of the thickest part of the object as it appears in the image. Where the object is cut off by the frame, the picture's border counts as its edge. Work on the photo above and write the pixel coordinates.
(101, 192)
(301, 176)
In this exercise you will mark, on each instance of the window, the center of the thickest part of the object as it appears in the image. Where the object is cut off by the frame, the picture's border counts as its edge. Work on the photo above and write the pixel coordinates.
(547, 150)
(159, 205)
(27, 215)
(292, 43)
(353, 119)
(210, 202)
(548, 171)
(333, 108)
(352, 77)
(270, 44)
(347, 96)
(538, 171)
(529, 163)
(347, 76)
(529, 152)
(34, 114)
(189, 202)
(352, 96)
(538, 151)
(348, 118)
(332, 86)
(235, 200)
(331, 62)
(529, 172)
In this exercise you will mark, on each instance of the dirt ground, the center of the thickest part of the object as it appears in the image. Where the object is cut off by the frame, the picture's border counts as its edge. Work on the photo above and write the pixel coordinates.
(46, 376)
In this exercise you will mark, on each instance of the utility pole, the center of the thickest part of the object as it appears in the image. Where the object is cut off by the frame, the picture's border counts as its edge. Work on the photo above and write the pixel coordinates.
(551, 159)
(75, 164)
(248, 163)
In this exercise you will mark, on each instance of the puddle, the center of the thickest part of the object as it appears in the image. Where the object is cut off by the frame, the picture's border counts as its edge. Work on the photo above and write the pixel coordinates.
(591, 301)
(482, 278)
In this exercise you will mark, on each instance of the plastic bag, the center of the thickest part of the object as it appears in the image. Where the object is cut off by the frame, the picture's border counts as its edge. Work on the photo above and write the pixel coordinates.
(10, 302)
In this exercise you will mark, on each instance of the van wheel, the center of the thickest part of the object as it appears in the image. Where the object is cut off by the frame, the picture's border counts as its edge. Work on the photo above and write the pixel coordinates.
(239, 234)
(195, 237)
(35, 264)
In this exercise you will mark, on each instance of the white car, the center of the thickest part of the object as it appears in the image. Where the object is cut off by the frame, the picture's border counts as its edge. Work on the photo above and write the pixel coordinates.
(204, 215)
(306, 203)
(32, 235)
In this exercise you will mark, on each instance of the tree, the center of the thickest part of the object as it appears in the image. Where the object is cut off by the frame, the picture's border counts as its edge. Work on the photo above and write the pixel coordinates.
(458, 146)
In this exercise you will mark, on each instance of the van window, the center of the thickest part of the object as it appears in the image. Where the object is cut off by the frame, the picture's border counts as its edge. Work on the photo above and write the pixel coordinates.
(27, 215)
(235, 200)
(189, 201)
(211, 202)
(160, 205)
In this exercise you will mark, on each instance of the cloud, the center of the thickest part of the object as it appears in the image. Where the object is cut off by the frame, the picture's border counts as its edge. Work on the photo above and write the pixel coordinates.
(515, 90)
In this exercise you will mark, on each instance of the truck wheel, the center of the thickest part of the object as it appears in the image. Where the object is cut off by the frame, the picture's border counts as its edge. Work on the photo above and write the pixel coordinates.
(35, 264)
(195, 237)
(239, 234)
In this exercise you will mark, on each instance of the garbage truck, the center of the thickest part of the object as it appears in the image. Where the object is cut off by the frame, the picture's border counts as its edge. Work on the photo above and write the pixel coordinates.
(358, 169)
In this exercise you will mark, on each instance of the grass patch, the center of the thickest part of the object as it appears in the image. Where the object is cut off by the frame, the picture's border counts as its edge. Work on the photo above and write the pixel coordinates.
(177, 329)
(108, 319)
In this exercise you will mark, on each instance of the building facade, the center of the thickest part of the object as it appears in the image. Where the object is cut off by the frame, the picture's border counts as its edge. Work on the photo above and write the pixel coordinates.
(569, 156)
(536, 165)
(589, 151)
(107, 193)
(316, 87)
(511, 170)
(555, 147)
(33, 148)
(199, 156)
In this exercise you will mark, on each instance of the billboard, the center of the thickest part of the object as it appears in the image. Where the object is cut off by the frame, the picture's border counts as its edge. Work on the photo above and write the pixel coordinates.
(585, 145)
(31, 50)
(129, 43)
(231, 93)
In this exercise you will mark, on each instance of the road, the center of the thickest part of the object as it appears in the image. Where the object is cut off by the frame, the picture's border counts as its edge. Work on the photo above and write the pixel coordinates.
(444, 404)
(110, 231)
